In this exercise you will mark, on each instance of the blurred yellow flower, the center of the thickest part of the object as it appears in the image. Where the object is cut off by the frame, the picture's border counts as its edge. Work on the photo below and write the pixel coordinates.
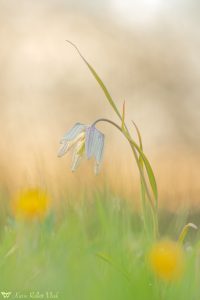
(166, 259)
(31, 204)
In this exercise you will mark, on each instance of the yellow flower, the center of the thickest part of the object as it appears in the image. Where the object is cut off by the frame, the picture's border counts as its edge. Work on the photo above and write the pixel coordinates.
(31, 204)
(166, 259)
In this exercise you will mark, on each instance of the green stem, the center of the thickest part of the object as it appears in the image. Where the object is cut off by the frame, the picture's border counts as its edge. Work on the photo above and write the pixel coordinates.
(142, 177)
(133, 145)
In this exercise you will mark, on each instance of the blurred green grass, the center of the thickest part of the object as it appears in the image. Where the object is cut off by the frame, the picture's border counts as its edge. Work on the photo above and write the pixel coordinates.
(90, 249)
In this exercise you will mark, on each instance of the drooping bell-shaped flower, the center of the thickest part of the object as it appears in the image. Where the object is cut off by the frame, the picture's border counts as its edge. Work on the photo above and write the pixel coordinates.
(87, 141)
(94, 145)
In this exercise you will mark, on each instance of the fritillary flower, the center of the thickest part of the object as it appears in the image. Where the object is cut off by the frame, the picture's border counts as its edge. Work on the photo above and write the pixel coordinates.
(86, 141)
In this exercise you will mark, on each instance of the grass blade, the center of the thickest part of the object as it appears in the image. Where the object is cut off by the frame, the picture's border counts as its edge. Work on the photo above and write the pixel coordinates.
(110, 262)
(139, 135)
(185, 230)
(149, 170)
(123, 116)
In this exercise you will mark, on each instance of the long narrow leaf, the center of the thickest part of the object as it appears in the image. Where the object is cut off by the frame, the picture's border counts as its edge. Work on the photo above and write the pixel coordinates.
(110, 262)
(139, 135)
(149, 170)
(140, 142)
(143, 191)
(123, 116)
(185, 230)
(98, 79)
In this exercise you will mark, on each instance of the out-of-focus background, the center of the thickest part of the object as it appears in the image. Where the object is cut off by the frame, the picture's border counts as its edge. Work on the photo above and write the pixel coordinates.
(147, 53)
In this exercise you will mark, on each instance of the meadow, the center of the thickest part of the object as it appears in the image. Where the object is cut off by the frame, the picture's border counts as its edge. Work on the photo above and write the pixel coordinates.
(97, 245)
(95, 248)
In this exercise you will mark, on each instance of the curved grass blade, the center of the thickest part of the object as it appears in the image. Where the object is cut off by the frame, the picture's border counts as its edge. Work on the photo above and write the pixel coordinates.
(139, 135)
(123, 116)
(98, 79)
(110, 262)
(185, 230)
(143, 192)
(149, 170)
(140, 141)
